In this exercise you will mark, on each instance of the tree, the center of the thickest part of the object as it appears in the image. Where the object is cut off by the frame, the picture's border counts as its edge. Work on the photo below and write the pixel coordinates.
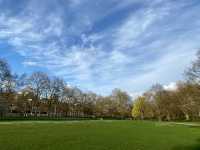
(122, 101)
(193, 73)
(6, 78)
(7, 85)
(157, 93)
(188, 100)
(39, 83)
(88, 102)
(139, 107)
(55, 89)
(24, 101)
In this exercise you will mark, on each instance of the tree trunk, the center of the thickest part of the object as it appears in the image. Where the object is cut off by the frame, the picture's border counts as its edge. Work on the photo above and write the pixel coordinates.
(199, 114)
(168, 117)
(159, 118)
(187, 117)
(55, 110)
(142, 116)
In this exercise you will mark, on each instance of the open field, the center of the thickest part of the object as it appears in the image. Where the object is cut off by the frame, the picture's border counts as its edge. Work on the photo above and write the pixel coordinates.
(98, 135)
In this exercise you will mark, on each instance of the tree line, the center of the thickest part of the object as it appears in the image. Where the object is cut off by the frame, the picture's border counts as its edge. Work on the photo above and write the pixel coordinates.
(182, 103)
(38, 94)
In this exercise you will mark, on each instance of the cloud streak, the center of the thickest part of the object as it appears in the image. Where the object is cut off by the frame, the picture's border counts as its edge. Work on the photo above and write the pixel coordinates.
(131, 45)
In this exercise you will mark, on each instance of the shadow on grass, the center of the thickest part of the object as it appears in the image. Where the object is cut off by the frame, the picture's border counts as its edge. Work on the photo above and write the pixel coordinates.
(188, 147)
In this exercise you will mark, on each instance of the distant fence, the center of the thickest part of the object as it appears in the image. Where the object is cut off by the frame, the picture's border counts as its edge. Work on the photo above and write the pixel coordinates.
(17, 116)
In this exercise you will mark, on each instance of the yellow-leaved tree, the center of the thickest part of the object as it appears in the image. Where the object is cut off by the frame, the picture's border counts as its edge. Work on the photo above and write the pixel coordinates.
(139, 108)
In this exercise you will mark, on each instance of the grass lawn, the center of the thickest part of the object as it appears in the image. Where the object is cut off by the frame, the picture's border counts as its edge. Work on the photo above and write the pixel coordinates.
(97, 135)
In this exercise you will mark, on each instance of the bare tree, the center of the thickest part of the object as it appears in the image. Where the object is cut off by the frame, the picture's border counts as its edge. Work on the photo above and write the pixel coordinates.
(193, 73)
(56, 90)
(123, 102)
(6, 78)
(38, 82)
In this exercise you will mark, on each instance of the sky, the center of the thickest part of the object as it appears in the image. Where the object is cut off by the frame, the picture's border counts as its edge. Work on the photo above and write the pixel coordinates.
(99, 45)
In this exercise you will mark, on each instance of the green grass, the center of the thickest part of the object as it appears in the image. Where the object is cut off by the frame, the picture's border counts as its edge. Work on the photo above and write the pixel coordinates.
(97, 135)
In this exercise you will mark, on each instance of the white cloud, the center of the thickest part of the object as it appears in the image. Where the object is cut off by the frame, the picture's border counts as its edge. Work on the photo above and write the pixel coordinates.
(136, 26)
(139, 50)
(165, 70)
(55, 26)
(135, 95)
(30, 63)
(171, 86)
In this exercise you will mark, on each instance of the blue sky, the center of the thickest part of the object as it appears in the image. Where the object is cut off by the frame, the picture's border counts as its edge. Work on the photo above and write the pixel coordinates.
(99, 45)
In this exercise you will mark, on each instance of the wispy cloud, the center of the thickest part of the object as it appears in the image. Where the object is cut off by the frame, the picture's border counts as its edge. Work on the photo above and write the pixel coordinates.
(132, 45)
